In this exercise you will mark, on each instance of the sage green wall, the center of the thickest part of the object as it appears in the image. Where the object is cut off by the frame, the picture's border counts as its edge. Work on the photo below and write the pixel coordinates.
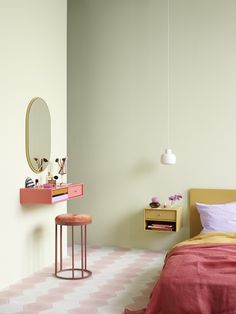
(32, 63)
(117, 109)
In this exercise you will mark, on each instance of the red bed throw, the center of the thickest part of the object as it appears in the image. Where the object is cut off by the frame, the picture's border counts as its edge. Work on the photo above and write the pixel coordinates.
(196, 279)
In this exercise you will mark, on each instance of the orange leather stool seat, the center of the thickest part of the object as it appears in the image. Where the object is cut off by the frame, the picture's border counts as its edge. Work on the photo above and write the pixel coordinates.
(72, 220)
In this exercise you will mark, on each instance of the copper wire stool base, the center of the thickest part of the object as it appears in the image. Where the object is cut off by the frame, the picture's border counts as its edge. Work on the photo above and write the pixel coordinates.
(74, 273)
(87, 273)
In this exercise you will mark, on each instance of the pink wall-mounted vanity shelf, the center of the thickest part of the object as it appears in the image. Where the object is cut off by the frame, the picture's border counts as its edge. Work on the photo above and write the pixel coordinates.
(40, 195)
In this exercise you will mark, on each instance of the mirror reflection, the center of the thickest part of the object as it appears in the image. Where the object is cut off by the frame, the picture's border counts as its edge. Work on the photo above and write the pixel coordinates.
(38, 135)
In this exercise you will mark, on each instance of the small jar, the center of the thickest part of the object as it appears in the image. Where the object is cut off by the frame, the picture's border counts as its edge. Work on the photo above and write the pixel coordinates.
(155, 202)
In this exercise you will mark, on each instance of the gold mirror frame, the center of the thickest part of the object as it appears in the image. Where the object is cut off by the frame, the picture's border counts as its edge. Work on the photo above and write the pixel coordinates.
(38, 134)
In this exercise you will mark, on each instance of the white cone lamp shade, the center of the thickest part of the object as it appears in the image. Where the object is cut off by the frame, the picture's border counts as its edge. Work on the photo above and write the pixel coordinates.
(168, 158)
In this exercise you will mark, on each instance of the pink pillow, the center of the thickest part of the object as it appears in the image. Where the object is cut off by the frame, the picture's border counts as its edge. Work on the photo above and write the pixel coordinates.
(217, 217)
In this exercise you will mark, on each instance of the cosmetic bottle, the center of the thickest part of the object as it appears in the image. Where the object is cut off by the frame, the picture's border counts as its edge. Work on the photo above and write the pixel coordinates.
(48, 177)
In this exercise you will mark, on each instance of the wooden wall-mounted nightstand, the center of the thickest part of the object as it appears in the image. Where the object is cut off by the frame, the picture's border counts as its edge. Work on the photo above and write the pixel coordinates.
(162, 219)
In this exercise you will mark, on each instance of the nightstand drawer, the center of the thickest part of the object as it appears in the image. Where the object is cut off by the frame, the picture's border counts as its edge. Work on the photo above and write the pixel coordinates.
(160, 214)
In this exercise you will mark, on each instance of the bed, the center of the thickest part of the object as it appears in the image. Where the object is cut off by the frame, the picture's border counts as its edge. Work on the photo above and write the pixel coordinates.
(199, 274)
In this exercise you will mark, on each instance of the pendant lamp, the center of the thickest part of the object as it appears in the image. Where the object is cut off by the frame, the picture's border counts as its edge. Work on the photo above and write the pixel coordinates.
(168, 157)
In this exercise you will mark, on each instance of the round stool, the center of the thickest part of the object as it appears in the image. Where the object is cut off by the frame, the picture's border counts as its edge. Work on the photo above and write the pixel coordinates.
(73, 220)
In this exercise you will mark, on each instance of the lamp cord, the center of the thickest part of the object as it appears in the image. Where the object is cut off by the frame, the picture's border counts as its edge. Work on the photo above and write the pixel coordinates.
(168, 73)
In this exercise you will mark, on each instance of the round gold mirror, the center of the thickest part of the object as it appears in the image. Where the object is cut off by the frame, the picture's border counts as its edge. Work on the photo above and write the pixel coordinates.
(38, 135)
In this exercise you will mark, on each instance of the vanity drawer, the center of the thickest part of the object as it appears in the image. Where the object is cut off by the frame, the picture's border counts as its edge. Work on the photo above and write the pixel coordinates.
(160, 214)
(75, 190)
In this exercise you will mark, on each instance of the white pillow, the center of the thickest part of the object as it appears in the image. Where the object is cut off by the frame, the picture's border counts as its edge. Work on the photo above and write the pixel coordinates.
(217, 217)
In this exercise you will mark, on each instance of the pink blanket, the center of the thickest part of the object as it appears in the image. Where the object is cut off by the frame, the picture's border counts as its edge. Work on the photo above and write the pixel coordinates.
(196, 279)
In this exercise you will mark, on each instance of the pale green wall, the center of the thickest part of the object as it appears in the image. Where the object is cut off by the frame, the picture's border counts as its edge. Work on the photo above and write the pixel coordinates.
(117, 108)
(32, 63)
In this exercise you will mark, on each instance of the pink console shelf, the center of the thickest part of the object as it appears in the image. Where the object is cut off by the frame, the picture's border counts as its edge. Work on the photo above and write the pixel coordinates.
(54, 195)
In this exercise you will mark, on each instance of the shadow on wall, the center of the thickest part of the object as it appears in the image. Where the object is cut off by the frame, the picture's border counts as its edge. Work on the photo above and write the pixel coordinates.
(129, 232)
(35, 244)
(143, 168)
(34, 207)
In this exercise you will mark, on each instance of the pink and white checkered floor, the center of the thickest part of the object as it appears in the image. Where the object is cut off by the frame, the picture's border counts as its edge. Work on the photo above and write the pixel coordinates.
(121, 277)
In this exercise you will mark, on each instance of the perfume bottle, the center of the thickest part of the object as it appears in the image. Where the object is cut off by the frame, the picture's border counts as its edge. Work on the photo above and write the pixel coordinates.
(36, 183)
(48, 177)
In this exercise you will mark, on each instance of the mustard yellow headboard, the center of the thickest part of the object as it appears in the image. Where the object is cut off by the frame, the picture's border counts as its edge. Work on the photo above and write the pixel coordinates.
(208, 196)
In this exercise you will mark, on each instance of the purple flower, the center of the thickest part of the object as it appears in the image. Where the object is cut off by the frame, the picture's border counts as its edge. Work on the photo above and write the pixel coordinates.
(178, 196)
(172, 197)
(175, 197)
